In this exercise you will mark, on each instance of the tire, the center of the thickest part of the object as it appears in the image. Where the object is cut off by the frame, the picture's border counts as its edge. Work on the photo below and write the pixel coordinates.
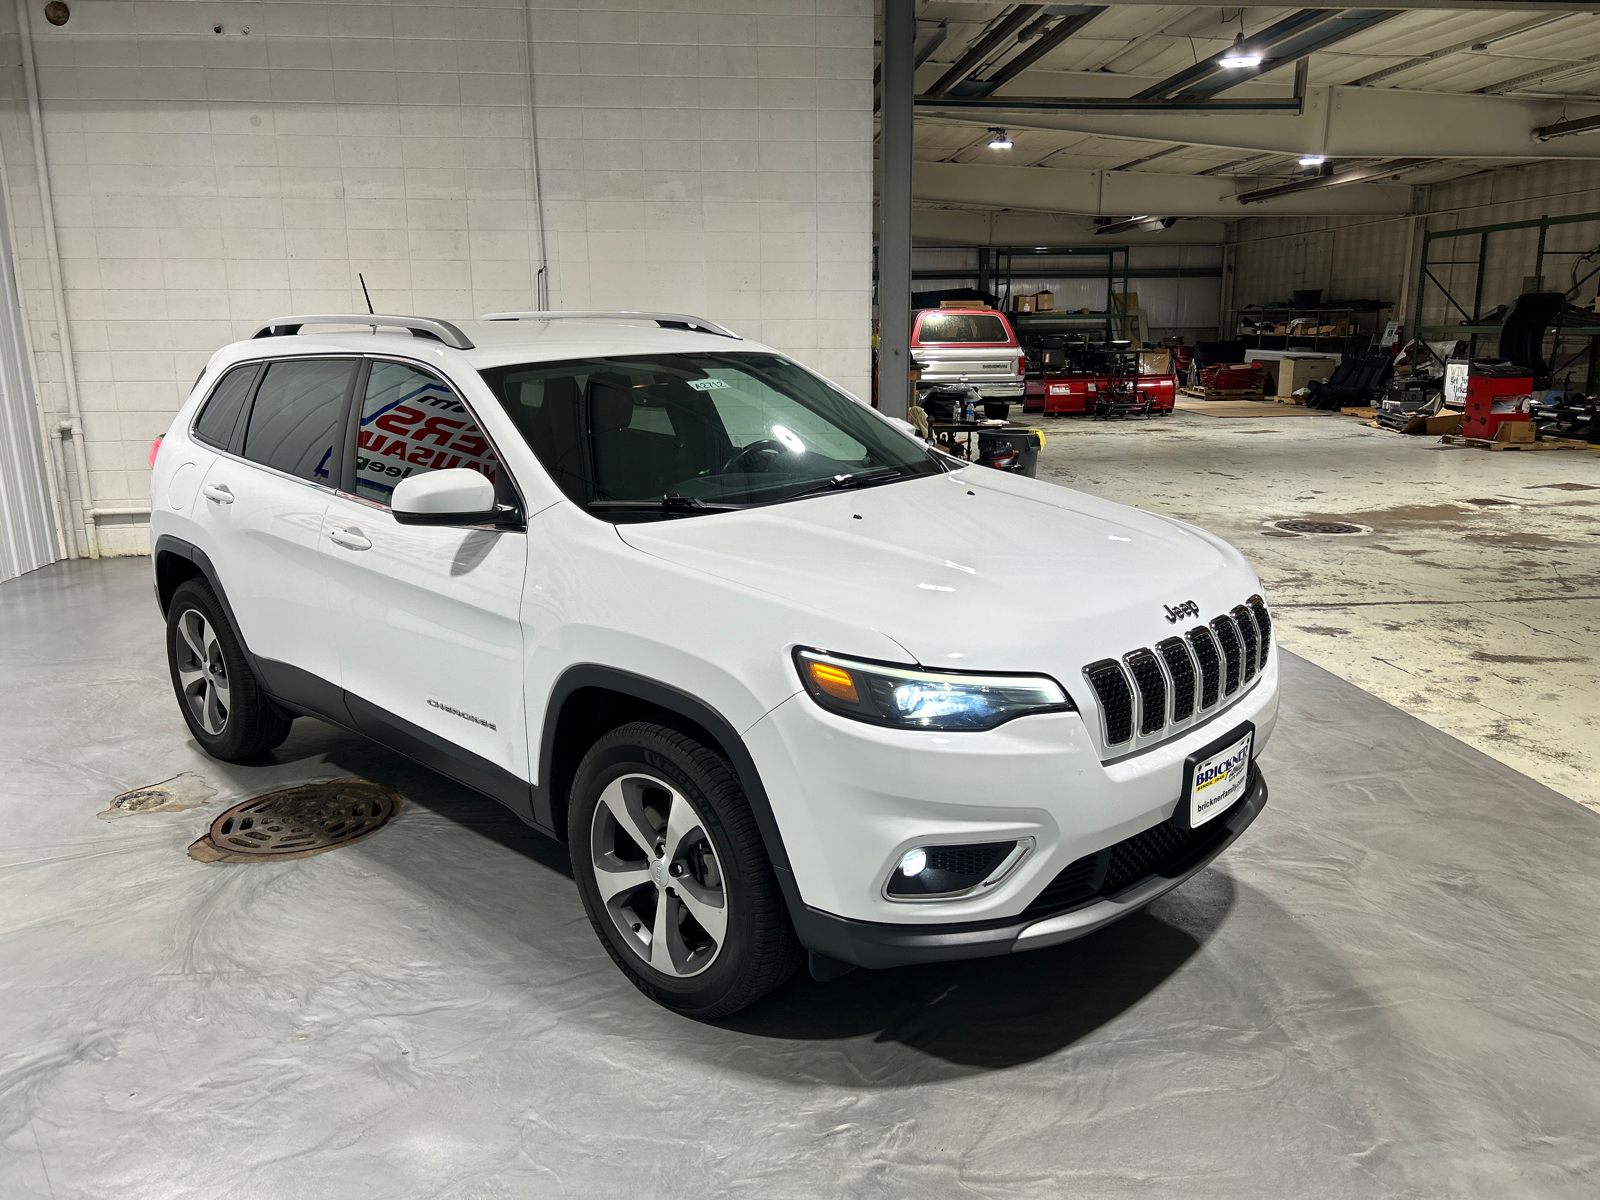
(726, 937)
(223, 705)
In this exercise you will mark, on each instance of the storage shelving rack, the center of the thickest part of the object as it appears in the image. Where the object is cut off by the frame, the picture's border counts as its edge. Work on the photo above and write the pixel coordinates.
(1472, 327)
(1356, 341)
(998, 270)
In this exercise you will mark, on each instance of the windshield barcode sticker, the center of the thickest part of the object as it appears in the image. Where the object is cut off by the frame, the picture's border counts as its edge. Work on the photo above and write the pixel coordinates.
(706, 385)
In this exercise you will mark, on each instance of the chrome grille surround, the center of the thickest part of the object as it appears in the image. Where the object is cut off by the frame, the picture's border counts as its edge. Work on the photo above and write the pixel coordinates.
(1151, 695)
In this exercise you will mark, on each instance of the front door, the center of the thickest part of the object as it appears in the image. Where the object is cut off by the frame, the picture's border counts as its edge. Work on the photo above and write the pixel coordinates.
(426, 619)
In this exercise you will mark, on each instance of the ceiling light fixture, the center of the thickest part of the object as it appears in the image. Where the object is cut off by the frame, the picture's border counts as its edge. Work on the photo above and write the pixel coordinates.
(999, 140)
(1312, 160)
(1239, 56)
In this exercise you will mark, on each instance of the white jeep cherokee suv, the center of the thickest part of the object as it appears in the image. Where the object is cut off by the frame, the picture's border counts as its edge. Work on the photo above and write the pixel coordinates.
(784, 679)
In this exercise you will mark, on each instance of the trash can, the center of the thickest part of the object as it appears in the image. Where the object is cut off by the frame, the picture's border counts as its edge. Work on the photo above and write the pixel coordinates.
(1011, 449)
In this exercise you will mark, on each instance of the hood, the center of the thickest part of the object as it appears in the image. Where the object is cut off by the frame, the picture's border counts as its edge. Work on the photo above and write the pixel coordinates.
(975, 570)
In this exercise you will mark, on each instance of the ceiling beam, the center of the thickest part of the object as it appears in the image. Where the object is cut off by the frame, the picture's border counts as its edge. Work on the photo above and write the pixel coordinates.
(1577, 66)
(1319, 183)
(978, 52)
(1118, 193)
(1297, 35)
(1499, 6)
(1046, 42)
(1483, 40)
(1337, 123)
(1116, 104)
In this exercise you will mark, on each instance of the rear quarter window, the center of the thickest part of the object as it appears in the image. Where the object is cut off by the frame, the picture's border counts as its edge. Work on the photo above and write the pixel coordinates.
(215, 424)
(963, 327)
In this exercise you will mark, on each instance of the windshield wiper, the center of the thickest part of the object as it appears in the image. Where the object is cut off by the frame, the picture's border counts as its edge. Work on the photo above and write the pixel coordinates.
(666, 504)
(861, 479)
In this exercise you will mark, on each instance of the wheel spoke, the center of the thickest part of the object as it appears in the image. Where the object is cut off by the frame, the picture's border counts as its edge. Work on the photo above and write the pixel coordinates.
(667, 951)
(705, 905)
(212, 714)
(189, 676)
(193, 628)
(683, 828)
(625, 806)
(615, 877)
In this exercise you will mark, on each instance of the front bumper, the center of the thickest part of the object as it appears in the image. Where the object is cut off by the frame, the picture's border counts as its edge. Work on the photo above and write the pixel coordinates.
(877, 944)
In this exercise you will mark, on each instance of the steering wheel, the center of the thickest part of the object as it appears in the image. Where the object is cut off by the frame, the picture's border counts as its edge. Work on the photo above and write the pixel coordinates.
(765, 446)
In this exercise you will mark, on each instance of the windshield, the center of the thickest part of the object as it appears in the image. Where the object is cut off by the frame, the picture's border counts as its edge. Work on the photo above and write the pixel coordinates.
(962, 327)
(720, 429)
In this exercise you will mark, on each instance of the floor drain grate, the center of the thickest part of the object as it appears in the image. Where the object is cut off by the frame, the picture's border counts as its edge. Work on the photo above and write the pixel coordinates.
(297, 822)
(1318, 527)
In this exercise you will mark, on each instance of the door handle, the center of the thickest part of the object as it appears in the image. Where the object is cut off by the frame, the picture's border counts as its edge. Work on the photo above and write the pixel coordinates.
(350, 539)
(218, 492)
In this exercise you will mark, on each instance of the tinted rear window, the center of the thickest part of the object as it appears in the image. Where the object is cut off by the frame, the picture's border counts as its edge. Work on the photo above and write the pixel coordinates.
(217, 419)
(294, 416)
(962, 327)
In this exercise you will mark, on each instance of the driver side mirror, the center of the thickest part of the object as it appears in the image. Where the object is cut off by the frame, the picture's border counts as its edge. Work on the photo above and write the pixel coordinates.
(458, 496)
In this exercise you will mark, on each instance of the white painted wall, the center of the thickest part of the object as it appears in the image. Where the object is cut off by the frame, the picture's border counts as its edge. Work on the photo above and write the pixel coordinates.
(715, 159)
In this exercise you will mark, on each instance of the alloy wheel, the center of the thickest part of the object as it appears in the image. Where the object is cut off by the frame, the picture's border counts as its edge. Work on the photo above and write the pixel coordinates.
(202, 673)
(658, 875)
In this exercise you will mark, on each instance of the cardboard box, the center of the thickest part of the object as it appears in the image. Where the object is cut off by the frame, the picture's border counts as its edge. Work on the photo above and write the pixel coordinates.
(962, 304)
(1514, 431)
(1155, 362)
(1044, 302)
(1022, 304)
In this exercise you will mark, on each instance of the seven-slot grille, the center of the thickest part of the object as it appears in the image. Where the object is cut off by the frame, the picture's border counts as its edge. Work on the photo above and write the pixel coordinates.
(1182, 677)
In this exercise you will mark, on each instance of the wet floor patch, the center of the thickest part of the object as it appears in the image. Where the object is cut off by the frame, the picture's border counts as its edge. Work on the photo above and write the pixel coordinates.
(178, 794)
(298, 822)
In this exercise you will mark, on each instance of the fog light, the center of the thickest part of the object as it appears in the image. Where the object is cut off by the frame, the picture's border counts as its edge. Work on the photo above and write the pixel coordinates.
(948, 872)
(914, 863)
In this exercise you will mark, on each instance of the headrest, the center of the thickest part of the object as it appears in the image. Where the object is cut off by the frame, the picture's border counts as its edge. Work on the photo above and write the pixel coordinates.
(610, 403)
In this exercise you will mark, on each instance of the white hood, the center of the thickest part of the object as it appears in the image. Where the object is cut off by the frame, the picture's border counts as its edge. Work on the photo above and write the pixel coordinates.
(976, 570)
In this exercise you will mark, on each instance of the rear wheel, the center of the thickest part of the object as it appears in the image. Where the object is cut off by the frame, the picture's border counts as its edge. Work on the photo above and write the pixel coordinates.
(674, 875)
(221, 701)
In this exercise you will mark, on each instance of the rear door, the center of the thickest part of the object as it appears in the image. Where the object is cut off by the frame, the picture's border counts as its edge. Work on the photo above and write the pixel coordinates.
(427, 619)
(261, 506)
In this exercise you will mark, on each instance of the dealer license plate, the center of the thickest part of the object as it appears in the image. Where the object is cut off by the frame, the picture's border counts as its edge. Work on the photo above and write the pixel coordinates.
(1217, 777)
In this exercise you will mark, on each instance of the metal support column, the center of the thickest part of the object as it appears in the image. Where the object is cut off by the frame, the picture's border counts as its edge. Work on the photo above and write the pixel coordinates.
(894, 209)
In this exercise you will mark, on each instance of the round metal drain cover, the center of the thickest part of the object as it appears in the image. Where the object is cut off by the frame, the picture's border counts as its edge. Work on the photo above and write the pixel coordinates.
(297, 822)
(1318, 527)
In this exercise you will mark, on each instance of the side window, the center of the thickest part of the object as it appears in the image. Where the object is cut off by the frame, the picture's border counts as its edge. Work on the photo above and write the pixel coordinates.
(221, 411)
(295, 414)
(412, 423)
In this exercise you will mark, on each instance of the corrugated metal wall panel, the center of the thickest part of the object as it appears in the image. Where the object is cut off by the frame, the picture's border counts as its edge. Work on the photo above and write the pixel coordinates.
(27, 525)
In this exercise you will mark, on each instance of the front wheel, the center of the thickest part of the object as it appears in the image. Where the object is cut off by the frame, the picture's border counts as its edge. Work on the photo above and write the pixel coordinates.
(222, 703)
(674, 875)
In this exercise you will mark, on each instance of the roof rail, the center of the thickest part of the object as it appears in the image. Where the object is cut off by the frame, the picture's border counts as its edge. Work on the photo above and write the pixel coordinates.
(422, 327)
(665, 320)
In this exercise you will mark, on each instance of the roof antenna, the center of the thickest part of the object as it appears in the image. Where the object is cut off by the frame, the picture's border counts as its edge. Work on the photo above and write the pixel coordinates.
(368, 296)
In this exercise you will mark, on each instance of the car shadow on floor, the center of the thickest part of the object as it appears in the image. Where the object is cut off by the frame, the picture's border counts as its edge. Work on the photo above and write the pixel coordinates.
(991, 1013)
(971, 1015)
(419, 785)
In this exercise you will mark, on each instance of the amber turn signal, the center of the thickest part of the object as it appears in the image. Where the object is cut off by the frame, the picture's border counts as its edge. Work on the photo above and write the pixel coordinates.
(835, 681)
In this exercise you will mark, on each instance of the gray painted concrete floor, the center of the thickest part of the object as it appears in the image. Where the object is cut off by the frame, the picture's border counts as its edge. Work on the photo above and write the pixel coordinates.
(1473, 603)
(1387, 988)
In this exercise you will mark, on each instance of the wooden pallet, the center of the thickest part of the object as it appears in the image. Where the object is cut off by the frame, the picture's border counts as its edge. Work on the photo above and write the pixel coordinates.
(1359, 412)
(1455, 439)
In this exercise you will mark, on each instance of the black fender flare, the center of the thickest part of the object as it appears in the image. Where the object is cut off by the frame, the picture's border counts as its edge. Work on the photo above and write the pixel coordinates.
(674, 700)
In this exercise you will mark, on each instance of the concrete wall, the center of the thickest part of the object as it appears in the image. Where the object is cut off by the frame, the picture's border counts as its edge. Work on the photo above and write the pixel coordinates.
(715, 160)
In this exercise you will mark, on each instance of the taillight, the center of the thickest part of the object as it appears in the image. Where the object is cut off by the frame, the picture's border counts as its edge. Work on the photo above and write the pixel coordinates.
(1022, 365)
(155, 449)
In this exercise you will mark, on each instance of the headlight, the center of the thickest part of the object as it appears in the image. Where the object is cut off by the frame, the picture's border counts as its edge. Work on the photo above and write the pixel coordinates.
(912, 699)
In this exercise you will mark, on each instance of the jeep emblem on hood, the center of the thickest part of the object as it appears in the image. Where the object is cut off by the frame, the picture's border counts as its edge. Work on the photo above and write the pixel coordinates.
(1187, 609)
